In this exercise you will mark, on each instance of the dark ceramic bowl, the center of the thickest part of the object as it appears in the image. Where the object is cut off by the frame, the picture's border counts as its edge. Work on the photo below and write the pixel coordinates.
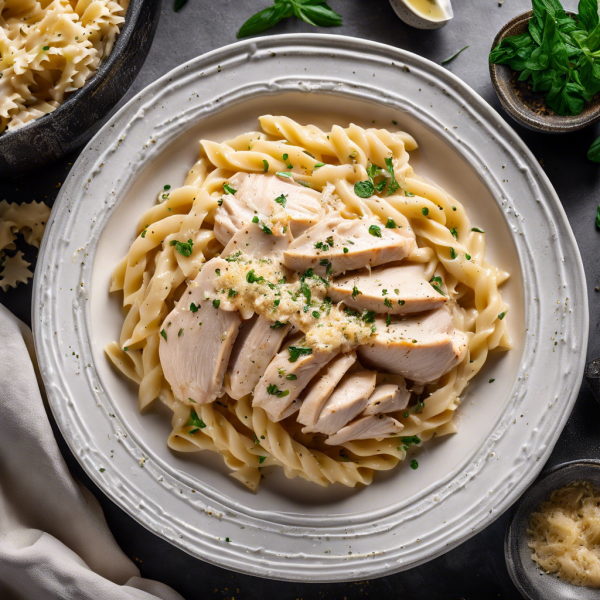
(522, 104)
(75, 121)
(531, 580)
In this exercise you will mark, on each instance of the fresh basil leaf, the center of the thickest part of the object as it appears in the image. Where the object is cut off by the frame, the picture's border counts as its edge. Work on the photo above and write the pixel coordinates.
(588, 13)
(594, 151)
(536, 31)
(264, 19)
(598, 217)
(320, 15)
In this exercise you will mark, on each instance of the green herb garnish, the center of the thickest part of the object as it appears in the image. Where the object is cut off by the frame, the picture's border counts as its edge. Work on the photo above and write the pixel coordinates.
(425, 211)
(266, 166)
(477, 230)
(375, 230)
(391, 224)
(184, 248)
(298, 351)
(364, 189)
(194, 308)
(451, 58)
(502, 315)
(195, 421)
(273, 390)
(163, 333)
(228, 189)
(394, 185)
(282, 200)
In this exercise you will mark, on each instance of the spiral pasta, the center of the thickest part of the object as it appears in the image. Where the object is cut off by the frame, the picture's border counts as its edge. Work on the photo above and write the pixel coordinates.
(153, 276)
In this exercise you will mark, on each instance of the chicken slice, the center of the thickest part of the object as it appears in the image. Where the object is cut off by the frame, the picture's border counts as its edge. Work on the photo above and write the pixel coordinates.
(338, 245)
(421, 347)
(256, 345)
(278, 389)
(388, 397)
(395, 290)
(321, 387)
(366, 428)
(196, 344)
(233, 214)
(254, 242)
(302, 204)
(348, 400)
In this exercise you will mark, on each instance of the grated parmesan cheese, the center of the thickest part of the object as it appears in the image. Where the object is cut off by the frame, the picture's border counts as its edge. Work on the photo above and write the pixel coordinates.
(566, 534)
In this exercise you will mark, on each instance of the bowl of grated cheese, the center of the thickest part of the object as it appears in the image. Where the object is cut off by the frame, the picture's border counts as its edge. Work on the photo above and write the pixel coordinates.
(552, 544)
(65, 66)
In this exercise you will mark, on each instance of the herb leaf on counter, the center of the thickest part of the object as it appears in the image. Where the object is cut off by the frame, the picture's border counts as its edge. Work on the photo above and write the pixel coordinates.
(594, 151)
(558, 55)
(313, 12)
(451, 58)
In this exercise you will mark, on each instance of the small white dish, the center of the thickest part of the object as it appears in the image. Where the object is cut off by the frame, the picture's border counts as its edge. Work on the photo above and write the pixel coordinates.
(512, 413)
(423, 14)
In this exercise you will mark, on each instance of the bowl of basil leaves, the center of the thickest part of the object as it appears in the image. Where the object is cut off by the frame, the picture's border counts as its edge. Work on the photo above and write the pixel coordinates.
(545, 66)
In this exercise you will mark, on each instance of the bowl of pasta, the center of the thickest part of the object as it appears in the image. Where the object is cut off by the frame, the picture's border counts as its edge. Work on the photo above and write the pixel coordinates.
(299, 335)
(64, 66)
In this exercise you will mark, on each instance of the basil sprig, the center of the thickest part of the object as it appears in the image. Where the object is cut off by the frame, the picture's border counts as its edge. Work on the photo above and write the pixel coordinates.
(559, 54)
(313, 12)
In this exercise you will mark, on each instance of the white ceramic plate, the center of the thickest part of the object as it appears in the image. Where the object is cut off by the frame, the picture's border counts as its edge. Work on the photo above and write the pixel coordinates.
(292, 529)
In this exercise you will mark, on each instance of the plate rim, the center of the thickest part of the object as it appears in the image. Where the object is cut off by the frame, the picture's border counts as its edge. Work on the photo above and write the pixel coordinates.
(328, 41)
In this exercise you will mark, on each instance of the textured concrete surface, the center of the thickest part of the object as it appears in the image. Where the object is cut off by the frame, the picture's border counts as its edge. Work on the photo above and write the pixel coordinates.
(475, 570)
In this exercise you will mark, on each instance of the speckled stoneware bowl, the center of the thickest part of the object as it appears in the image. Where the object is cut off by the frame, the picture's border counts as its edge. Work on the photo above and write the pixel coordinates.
(510, 92)
(76, 120)
(531, 580)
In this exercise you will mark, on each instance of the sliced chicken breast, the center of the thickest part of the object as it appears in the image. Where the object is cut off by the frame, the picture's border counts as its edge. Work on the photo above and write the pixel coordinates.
(252, 241)
(366, 428)
(302, 204)
(284, 379)
(256, 345)
(233, 214)
(321, 387)
(396, 290)
(388, 397)
(422, 347)
(347, 401)
(197, 339)
(338, 245)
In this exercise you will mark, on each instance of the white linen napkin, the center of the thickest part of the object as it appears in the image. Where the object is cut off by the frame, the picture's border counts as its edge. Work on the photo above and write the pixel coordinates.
(54, 541)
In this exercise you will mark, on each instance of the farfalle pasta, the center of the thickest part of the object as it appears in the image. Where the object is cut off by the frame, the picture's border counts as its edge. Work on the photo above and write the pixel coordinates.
(50, 49)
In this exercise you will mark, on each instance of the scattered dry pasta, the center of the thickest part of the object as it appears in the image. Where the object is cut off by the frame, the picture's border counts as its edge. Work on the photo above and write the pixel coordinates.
(154, 275)
(50, 49)
(30, 221)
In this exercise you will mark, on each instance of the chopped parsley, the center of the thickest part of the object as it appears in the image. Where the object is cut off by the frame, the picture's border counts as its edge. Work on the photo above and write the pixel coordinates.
(180, 332)
(414, 464)
(232, 293)
(364, 189)
(345, 250)
(394, 185)
(452, 253)
(492, 380)
(46, 48)
(297, 351)
(283, 174)
(265, 166)
(388, 320)
(167, 187)
(194, 308)
(318, 165)
(388, 303)
(282, 200)
(477, 230)
(273, 390)
(261, 460)
(409, 441)
(219, 202)
(391, 224)
(375, 230)
(355, 292)
(328, 266)
(252, 278)
(228, 189)
(234, 257)
(144, 233)
(502, 315)
(454, 233)
(184, 248)
(409, 194)
(468, 256)
(216, 302)
(278, 324)
(436, 282)
(425, 211)
(316, 314)
(291, 377)
(195, 421)
(255, 219)
(401, 302)
(369, 316)
(163, 333)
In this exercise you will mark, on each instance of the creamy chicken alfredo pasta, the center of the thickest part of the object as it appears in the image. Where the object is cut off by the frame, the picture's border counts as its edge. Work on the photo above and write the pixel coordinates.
(306, 301)
(49, 48)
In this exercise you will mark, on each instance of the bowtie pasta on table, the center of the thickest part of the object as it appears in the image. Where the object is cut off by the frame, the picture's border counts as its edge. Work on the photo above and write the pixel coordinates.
(306, 301)
(50, 49)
